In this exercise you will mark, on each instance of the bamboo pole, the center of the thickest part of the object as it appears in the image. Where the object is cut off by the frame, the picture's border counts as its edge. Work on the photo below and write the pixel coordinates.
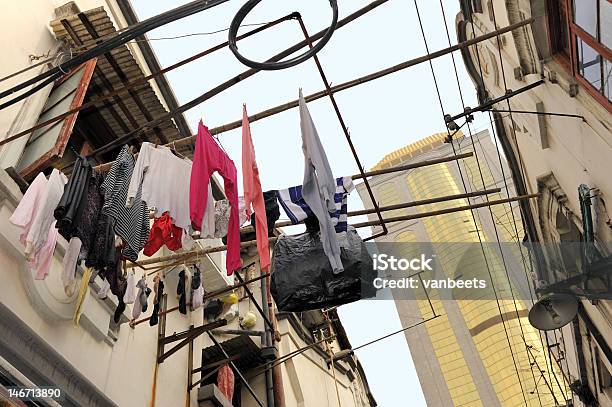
(347, 85)
(250, 243)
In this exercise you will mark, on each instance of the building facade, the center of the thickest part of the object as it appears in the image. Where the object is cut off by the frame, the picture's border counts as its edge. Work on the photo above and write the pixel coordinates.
(99, 362)
(480, 349)
(567, 46)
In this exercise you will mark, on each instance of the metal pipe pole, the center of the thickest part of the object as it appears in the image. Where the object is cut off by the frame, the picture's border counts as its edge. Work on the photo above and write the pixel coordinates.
(187, 256)
(347, 135)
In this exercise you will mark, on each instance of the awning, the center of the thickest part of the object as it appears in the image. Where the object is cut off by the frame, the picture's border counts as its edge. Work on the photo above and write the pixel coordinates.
(127, 111)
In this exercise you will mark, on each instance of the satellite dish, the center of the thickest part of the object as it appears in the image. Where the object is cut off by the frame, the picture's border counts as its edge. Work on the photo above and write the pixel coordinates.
(553, 311)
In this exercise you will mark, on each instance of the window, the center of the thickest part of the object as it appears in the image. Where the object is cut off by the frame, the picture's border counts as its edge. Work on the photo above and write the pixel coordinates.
(605, 377)
(581, 39)
(48, 144)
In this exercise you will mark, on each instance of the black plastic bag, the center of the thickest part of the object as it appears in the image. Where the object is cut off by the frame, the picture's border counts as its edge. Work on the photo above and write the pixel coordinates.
(302, 278)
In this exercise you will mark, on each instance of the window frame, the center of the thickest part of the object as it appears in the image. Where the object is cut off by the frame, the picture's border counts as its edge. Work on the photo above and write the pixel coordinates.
(57, 151)
(574, 31)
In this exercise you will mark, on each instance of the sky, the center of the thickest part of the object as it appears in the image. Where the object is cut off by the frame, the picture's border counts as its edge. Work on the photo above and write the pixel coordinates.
(382, 116)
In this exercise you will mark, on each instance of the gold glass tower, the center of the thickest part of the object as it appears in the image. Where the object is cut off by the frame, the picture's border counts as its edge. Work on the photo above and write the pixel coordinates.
(481, 349)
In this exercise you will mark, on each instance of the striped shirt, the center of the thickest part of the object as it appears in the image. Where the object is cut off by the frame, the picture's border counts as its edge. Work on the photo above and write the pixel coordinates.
(131, 224)
(297, 210)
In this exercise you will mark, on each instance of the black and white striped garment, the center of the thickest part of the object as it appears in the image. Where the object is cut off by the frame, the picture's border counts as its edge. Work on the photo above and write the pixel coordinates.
(131, 224)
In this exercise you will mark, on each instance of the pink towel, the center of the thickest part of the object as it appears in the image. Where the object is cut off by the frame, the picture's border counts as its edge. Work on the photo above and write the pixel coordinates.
(253, 196)
(208, 158)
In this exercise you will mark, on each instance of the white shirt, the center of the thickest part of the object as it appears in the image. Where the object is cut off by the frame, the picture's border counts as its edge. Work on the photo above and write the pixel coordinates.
(165, 182)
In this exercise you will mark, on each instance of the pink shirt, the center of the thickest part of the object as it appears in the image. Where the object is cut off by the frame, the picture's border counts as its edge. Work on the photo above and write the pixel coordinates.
(208, 158)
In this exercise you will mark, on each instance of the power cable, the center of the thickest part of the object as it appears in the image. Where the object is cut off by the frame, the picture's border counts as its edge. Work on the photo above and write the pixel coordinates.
(525, 180)
(501, 251)
(471, 211)
(133, 32)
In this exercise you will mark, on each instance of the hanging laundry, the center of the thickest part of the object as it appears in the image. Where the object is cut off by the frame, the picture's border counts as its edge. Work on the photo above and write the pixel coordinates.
(225, 382)
(87, 225)
(83, 290)
(163, 232)
(158, 287)
(116, 279)
(140, 305)
(253, 195)
(197, 293)
(72, 202)
(104, 289)
(181, 292)
(208, 158)
(272, 211)
(208, 219)
(319, 186)
(221, 216)
(130, 291)
(164, 180)
(130, 223)
(34, 215)
(69, 264)
(298, 210)
(103, 252)
(242, 212)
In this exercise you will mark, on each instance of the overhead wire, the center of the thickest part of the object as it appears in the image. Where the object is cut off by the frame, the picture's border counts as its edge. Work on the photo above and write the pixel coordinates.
(133, 32)
(133, 84)
(482, 179)
(471, 211)
(269, 112)
(522, 174)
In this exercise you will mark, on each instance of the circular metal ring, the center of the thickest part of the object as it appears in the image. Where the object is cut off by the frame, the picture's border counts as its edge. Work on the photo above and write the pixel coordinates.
(272, 66)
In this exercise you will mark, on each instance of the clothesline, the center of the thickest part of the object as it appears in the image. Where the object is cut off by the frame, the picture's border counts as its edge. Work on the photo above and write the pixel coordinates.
(195, 254)
(340, 87)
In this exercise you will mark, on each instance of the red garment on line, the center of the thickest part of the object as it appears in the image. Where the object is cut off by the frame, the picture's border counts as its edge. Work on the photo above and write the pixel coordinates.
(253, 194)
(225, 381)
(163, 232)
(208, 158)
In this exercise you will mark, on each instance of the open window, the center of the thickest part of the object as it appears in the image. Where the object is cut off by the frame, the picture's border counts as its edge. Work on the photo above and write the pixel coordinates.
(46, 145)
(580, 34)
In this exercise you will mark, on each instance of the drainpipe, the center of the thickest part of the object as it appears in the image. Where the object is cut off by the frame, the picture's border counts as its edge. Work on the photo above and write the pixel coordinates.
(268, 342)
